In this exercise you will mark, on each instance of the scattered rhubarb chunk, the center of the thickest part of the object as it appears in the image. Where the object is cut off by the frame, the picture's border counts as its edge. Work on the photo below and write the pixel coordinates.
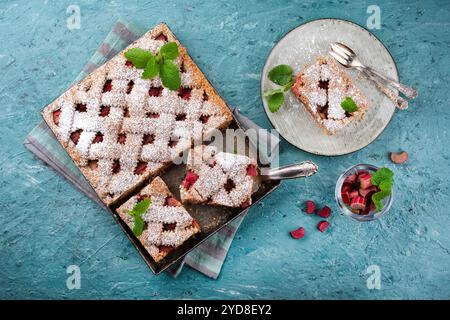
(323, 225)
(358, 203)
(310, 207)
(189, 179)
(364, 180)
(299, 233)
(399, 157)
(325, 212)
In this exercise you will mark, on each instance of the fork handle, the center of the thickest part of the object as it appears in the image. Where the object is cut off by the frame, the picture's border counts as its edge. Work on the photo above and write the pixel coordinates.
(407, 91)
(400, 103)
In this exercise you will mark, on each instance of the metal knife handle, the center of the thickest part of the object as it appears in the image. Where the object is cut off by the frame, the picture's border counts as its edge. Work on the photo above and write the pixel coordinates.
(292, 171)
(407, 91)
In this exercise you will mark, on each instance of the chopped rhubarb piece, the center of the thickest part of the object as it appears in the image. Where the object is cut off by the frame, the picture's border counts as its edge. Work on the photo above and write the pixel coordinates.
(370, 206)
(155, 91)
(180, 117)
(140, 167)
(204, 119)
(325, 212)
(310, 207)
(152, 115)
(229, 185)
(165, 249)
(130, 86)
(116, 167)
(195, 224)
(148, 139)
(75, 136)
(365, 192)
(299, 233)
(323, 225)
(169, 226)
(98, 138)
(364, 180)
(107, 86)
(129, 64)
(245, 204)
(56, 115)
(353, 194)
(358, 203)
(161, 37)
(171, 202)
(121, 138)
(189, 179)
(173, 143)
(104, 111)
(351, 179)
(251, 171)
(399, 157)
(345, 196)
(185, 93)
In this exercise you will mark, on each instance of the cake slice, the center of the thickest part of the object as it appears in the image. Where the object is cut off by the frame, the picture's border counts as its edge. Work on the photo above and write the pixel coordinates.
(218, 178)
(167, 223)
(121, 129)
(322, 87)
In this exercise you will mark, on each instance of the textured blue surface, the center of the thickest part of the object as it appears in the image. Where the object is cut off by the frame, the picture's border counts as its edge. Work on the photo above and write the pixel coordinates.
(46, 225)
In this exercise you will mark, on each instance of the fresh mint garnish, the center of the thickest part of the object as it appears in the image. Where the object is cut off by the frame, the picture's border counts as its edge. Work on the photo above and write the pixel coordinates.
(161, 63)
(138, 210)
(281, 75)
(383, 178)
(349, 105)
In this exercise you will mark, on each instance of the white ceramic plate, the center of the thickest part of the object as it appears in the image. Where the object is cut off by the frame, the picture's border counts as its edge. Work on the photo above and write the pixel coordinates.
(299, 48)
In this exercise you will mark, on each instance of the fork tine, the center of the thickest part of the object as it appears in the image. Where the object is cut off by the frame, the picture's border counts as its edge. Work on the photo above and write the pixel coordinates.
(343, 48)
(339, 59)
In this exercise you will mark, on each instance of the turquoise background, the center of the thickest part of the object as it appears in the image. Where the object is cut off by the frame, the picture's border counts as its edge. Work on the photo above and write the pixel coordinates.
(46, 225)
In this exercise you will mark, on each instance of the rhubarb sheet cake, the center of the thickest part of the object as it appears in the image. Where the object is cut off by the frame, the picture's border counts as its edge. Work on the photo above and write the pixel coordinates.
(322, 87)
(167, 223)
(218, 178)
(121, 129)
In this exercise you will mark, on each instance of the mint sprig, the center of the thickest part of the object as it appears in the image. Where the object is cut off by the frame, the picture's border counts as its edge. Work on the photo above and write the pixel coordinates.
(283, 76)
(161, 63)
(383, 178)
(138, 210)
(349, 105)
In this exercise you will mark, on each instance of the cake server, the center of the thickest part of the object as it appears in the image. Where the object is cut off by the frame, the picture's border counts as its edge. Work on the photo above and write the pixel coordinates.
(298, 170)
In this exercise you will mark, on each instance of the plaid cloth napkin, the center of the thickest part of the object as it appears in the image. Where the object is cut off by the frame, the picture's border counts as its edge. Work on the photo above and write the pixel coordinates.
(208, 257)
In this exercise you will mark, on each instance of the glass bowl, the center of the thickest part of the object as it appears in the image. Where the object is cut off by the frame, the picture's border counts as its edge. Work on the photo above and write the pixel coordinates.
(374, 215)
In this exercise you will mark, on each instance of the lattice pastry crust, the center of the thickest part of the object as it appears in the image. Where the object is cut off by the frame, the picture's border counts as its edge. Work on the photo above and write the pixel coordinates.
(120, 129)
(168, 224)
(322, 87)
(218, 178)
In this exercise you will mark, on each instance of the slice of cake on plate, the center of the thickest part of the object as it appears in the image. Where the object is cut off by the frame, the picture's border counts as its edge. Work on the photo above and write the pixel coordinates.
(218, 178)
(167, 224)
(121, 129)
(323, 87)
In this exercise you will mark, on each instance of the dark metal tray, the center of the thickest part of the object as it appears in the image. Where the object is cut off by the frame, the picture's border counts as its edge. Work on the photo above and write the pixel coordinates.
(210, 218)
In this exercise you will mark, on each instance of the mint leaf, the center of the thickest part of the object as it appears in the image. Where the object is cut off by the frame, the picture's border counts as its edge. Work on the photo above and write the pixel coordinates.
(377, 197)
(381, 175)
(275, 101)
(281, 74)
(169, 51)
(349, 105)
(272, 92)
(170, 75)
(138, 210)
(138, 57)
(151, 69)
(139, 225)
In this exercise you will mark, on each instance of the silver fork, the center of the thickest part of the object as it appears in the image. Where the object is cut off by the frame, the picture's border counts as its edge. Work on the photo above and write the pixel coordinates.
(347, 57)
